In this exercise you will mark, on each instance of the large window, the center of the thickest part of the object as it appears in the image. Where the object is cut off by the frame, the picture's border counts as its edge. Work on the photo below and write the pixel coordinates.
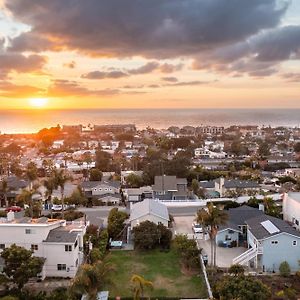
(68, 248)
(61, 267)
(2, 246)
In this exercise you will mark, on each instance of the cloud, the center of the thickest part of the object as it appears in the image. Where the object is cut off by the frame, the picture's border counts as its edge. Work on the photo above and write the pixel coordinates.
(67, 88)
(144, 69)
(10, 90)
(155, 28)
(70, 65)
(258, 56)
(291, 77)
(169, 79)
(20, 63)
(104, 75)
(188, 83)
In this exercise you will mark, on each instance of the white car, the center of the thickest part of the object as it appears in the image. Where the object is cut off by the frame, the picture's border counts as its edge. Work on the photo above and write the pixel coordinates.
(57, 207)
(197, 228)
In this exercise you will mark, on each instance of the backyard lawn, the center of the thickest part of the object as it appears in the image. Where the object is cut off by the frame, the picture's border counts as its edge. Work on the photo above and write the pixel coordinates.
(162, 268)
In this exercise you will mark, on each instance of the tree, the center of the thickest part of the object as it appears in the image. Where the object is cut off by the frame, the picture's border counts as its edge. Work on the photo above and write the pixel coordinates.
(134, 181)
(284, 269)
(60, 178)
(236, 270)
(164, 236)
(20, 265)
(95, 175)
(91, 279)
(242, 288)
(103, 160)
(4, 190)
(49, 184)
(26, 197)
(146, 235)
(116, 223)
(195, 186)
(139, 285)
(31, 173)
(264, 149)
(212, 218)
(188, 251)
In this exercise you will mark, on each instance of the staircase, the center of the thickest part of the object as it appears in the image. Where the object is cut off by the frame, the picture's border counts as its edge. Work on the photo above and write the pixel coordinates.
(245, 257)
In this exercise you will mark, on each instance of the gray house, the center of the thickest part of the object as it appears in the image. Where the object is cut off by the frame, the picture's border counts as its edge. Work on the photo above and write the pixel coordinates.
(234, 232)
(222, 187)
(271, 241)
(170, 188)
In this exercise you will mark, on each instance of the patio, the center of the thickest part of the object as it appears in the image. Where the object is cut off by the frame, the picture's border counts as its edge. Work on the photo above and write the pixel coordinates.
(224, 255)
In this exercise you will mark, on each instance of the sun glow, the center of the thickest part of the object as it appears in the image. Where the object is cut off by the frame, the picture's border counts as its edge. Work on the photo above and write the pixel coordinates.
(38, 102)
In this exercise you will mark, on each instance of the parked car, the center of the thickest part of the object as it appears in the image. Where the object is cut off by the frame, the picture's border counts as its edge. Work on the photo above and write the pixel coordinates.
(57, 207)
(197, 228)
(13, 209)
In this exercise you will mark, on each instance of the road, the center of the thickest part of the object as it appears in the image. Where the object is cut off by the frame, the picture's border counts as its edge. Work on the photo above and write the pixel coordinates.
(184, 211)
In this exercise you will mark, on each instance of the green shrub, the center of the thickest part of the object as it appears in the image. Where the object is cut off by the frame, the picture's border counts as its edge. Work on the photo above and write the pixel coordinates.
(284, 269)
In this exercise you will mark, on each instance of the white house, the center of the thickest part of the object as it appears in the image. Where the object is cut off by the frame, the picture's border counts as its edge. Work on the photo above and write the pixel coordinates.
(149, 210)
(291, 209)
(61, 244)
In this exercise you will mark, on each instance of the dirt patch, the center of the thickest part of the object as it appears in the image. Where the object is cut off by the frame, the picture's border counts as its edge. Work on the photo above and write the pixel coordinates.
(161, 282)
(188, 272)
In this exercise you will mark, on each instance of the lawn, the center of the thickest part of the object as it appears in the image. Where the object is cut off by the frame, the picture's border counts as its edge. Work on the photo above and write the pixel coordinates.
(162, 268)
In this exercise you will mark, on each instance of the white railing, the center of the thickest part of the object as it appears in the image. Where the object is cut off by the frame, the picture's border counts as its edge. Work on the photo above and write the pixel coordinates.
(245, 257)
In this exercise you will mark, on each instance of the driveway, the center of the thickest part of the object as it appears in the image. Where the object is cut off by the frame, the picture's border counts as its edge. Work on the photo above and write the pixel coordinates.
(224, 255)
(183, 224)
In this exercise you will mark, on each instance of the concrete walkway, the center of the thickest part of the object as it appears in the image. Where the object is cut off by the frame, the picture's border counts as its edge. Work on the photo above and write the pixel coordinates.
(224, 255)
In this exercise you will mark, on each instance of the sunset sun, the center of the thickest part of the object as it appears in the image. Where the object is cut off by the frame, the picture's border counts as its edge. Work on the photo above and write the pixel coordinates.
(38, 102)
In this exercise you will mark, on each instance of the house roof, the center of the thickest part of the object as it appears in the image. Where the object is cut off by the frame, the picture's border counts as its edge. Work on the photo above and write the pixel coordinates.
(238, 216)
(260, 231)
(59, 235)
(230, 184)
(15, 183)
(167, 183)
(149, 206)
(92, 184)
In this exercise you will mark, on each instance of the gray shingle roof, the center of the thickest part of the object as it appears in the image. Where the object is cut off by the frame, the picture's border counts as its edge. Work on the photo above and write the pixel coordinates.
(230, 184)
(167, 183)
(239, 216)
(92, 184)
(256, 228)
(149, 206)
(59, 235)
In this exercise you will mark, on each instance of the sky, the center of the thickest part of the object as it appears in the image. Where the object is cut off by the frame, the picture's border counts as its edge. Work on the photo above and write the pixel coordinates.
(149, 54)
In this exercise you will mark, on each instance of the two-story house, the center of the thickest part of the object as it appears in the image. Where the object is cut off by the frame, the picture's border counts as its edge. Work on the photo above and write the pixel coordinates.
(170, 188)
(60, 243)
(106, 191)
(291, 209)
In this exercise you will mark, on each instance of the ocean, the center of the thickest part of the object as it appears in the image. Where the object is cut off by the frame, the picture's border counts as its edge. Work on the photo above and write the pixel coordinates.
(27, 121)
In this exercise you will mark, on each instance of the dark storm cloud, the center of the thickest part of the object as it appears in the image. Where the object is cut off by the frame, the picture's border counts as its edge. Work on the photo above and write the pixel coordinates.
(155, 28)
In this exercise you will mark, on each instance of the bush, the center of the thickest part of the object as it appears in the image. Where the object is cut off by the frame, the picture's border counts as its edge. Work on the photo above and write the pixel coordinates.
(3, 214)
(284, 269)
(236, 270)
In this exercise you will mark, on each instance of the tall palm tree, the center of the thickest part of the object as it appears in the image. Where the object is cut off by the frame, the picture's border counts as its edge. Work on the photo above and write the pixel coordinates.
(139, 286)
(91, 279)
(4, 189)
(49, 184)
(26, 197)
(212, 218)
(60, 178)
(31, 173)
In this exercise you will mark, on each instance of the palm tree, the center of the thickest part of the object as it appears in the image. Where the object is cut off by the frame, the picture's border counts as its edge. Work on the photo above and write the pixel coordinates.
(60, 178)
(139, 285)
(31, 173)
(4, 189)
(212, 218)
(50, 186)
(91, 279)
(26, 197)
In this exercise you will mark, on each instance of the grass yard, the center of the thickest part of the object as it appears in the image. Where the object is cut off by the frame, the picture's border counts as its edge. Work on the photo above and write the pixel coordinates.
(162, 268)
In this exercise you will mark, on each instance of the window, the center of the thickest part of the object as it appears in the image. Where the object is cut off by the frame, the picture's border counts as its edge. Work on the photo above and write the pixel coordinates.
(274, 242)
(76, 243)
(28, 231)
(2, 246)
(68, 248)
(34, 247)
(296, 222)
(61, 267)
(294, 243)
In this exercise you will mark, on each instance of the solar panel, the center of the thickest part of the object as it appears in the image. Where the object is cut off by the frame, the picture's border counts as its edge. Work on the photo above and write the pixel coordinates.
(270, 227)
